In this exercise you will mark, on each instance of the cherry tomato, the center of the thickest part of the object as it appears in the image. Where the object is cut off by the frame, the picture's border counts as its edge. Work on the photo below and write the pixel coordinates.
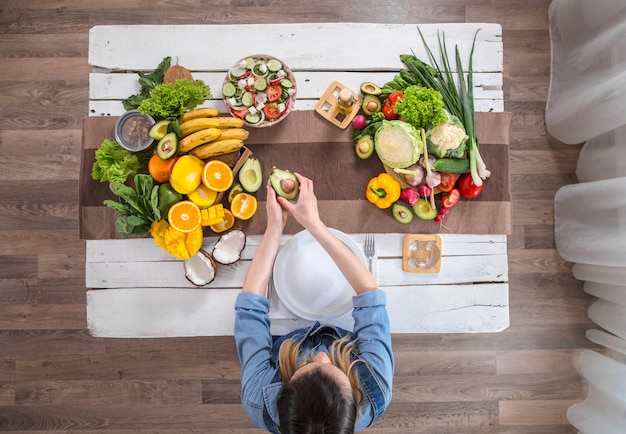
(271, 111)
(274, 92)
(447, 182)
(467, 188)
(450, 198)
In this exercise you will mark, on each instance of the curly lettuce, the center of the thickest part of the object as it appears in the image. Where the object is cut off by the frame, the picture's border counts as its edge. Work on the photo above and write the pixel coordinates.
(115, 164)
(168, 100)
(421, 107)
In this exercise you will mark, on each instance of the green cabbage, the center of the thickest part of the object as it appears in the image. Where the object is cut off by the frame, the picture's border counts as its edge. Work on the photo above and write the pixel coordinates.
(448, 139)
(398, 144)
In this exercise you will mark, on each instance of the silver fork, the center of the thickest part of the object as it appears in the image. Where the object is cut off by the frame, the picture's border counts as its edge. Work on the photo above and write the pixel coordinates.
(369, 248)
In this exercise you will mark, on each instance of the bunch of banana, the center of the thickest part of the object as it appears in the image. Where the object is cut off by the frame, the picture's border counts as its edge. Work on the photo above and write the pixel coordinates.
(205, 134)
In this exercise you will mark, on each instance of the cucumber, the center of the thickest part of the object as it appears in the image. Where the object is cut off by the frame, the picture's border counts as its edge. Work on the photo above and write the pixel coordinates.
(286, 83)
(253, 118)
(228, 89)
(260, 84)
(452, 165)
(249, 62)
(247, 99)
(274, 65)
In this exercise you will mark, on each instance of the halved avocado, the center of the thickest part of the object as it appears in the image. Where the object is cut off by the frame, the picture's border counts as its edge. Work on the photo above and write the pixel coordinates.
(159, 130)
(369, 88)
(423, 209)
(167, 146)
(364, 147)
(402, 213)
(370, 105)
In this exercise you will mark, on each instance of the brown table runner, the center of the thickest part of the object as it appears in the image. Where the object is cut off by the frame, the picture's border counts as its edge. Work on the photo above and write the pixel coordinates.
(307, 144)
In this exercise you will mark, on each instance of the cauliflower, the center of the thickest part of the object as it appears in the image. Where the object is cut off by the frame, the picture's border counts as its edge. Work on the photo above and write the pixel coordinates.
(447, 139)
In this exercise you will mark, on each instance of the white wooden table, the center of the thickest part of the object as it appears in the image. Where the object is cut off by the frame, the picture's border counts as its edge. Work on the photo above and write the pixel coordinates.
(138, 290)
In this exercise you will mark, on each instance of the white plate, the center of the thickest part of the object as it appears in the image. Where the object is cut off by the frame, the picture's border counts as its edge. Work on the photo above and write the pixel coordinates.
(307, 280)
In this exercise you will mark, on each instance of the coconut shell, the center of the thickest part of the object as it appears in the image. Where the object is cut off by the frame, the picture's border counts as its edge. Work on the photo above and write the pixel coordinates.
(177, 72)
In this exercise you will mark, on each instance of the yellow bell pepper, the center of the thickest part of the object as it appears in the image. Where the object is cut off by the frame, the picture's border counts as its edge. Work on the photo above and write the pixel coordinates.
(182, 245)
(383, 190)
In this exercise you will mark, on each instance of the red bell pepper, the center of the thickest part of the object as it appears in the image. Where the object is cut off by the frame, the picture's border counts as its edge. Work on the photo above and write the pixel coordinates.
(389, 104)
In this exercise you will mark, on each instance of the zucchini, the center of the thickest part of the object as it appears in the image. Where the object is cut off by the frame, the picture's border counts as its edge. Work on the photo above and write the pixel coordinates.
(452, 165)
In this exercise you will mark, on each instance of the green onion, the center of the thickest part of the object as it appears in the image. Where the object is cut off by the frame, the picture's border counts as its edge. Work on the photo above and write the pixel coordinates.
(459, 101)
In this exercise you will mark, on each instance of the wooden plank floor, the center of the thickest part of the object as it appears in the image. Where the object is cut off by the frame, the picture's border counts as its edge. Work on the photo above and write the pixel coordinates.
(54, 377)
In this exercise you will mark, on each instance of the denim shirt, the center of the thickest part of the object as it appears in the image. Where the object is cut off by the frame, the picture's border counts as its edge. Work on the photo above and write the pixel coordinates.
(258, 354)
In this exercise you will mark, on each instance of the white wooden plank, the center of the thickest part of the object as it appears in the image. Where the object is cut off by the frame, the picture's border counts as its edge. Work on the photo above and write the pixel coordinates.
(210, 47)
(164, 312)
(454, 269)
(310, 85)
(388, 245)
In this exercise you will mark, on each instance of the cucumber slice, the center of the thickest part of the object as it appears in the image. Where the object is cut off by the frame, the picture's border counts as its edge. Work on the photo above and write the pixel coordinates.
(253, 118)
(260, 84)
(229, 89)
(286, 83)
(274, 65)
(247, 99)
(249, 62)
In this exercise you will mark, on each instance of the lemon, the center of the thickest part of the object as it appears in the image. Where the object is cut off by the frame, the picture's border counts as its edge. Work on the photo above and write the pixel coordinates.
(186, 174)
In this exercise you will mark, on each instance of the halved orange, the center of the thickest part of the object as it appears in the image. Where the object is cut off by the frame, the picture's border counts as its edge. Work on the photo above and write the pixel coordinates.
(217, 175)
(184, 216)
(224, 225)
(243, 206)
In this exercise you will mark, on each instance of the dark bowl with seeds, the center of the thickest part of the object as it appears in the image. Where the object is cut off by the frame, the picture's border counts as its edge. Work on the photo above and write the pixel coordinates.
(132, 131)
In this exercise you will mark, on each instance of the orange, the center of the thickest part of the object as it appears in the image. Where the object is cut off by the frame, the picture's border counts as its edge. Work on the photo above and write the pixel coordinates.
(243, 206)
(224, 225)
(203, 196)
(184, 216)
(217, 175)
(160, 169)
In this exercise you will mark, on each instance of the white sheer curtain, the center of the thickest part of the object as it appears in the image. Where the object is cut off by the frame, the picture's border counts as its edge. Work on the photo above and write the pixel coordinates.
(587, 104)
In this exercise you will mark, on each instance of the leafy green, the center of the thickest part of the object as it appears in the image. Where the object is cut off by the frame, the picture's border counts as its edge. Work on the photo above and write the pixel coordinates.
(147, 83)
(421, 107)
(169, 100)
(372, 124)
(115, 164)
(140, 207)
(398, 144)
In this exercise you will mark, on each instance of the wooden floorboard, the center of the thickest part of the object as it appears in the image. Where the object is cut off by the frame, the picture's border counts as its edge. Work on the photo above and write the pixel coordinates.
(55, 377)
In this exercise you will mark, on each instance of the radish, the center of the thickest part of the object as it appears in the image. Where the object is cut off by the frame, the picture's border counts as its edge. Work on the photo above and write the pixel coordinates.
(359, 122)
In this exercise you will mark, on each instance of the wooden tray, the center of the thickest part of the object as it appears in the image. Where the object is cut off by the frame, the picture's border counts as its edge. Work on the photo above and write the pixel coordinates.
(410, 243)
(327, 106)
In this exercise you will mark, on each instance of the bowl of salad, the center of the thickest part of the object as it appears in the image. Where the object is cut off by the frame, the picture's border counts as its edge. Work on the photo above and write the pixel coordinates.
(259, 89)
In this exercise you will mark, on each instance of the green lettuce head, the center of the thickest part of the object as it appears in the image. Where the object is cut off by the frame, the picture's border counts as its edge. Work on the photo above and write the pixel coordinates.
(398, 144)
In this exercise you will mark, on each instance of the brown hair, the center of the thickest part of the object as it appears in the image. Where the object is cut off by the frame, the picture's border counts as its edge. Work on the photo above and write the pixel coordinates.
(315, 402)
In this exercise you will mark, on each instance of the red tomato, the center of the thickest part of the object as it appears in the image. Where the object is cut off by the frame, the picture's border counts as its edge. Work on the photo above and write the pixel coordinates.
(273, 92)
(240, 113)
(271, 111)
(467, 188)
(450, 199)
(447, 182)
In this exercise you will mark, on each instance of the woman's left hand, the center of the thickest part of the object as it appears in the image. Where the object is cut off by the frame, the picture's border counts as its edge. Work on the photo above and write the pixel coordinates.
(276, 214)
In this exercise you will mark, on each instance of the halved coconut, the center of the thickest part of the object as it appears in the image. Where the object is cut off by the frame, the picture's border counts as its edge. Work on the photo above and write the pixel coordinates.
(228, 248)
(200, 269)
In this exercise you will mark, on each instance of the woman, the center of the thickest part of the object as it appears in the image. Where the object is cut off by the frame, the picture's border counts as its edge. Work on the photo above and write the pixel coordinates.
(320, 379)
